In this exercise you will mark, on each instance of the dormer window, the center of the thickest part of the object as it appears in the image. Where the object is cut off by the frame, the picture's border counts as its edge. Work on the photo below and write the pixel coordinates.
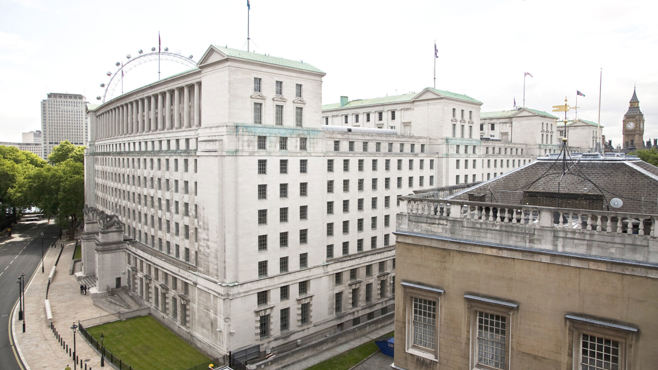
(279, 88)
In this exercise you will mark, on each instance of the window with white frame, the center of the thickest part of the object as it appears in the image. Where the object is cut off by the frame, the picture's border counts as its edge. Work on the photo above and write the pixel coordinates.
(600, 343)
(490, 322)
(422, 319)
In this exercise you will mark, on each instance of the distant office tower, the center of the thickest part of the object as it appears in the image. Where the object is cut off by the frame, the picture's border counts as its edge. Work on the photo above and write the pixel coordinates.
(32, 137)
(62, 118)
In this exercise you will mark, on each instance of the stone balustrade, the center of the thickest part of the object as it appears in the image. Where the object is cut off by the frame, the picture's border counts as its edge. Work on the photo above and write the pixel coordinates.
(559, 218)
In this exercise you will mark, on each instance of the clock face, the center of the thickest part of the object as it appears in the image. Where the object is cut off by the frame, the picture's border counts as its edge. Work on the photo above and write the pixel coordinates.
(630, 125)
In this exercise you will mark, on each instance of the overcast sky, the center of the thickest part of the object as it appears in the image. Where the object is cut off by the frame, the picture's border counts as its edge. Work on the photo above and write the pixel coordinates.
(367, 49)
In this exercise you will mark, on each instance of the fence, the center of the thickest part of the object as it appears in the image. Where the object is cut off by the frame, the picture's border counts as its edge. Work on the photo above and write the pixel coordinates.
(109, 356)
(70, 350)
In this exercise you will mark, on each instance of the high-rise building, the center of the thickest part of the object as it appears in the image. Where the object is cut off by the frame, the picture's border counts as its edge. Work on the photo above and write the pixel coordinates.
(63, 117)
(32, 137)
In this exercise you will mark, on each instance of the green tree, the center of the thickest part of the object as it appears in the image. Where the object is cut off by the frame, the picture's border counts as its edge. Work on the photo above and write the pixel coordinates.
(647, 155)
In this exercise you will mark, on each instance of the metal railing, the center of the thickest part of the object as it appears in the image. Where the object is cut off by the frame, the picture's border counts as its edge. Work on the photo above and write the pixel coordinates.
(109, 356)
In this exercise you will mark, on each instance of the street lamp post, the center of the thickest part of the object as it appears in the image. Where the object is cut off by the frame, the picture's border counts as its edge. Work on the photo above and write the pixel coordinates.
(102, 351)
(20, 299)
(42, 268)
(75, 360)
(21, 312)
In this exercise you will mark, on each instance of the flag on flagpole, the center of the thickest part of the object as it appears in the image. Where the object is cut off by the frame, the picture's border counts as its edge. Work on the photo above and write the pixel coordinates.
(579, 93)
(248, 5)
(515, 102)
(436, 51)
(527, 74)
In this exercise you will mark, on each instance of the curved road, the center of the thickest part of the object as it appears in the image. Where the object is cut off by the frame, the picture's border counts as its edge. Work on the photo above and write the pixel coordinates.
(20, 254)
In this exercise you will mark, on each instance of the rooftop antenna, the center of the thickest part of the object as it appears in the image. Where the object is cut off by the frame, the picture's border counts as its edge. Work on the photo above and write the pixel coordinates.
(564, 108)
(598, 120)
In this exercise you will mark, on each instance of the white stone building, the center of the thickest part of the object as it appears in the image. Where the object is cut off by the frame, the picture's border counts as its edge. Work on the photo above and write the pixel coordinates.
(583, 134)
(252, 219)
(63, 117)
(32, 137)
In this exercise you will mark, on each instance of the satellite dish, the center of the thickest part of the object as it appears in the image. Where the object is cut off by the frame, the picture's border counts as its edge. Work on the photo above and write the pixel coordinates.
(616, 202)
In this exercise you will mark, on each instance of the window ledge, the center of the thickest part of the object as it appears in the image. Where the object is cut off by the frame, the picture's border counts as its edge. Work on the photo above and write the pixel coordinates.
(423, 354)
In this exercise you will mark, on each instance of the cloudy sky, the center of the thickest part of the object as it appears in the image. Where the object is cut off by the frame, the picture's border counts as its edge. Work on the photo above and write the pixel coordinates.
(367, 48)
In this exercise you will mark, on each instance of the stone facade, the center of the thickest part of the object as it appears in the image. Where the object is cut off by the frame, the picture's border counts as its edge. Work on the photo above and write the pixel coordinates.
(504, 285)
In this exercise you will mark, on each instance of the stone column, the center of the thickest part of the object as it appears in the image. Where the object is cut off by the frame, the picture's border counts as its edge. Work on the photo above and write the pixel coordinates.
(186, 106)
(167, 110)
(176, 108)
(197, 111)
(131, 118)
(153, 108)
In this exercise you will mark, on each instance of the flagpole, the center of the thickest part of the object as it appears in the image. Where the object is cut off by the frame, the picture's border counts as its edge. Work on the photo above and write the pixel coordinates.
(525, 74)
(435, 72)
(248, 10)
(576, 107)
(598, 119)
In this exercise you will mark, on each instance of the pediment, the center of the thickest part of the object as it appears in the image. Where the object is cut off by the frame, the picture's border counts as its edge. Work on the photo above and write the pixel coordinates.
(426, 94)
(211, 55)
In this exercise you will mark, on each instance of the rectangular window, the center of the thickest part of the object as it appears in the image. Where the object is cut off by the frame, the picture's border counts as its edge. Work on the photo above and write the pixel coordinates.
(303, 212)
(305, 313)
(423, 323)
(336, 145)
(346, 206)
(258, 113)
(283, 214)
(338, 302)
(283, 190)
(346, 185)
(330, 186)
(262, 217)
(283, 239)
(264, 326)
(330, 207)
(262, 269)
(262, 242)
(283, 264)
(303, 236)
(298, 90)
(330, 165)
(330, 251)
(262, 191)
(346, 227)
(303, 165)
(355, 297)
(283, 166)
(330, 229)
(346, 165)
(303, 287)
(283, 143)
(346, 247)
(303, 143)
(284, 319)
(278, 88)
(303, 260)
(284, 292)
(262, 297)
(262, 140)
(278, 117)
(303, 189)
(491, 340)
(299, 116)
(257, 84)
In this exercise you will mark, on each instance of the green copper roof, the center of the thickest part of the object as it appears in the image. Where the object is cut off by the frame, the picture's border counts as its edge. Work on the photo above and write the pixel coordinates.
(398, 99)
(262, 58)
(591, 123)
(450, 94)
(513, 113)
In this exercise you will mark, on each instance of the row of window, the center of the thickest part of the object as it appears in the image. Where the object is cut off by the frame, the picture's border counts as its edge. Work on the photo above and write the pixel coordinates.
(303, 165)
(152, 145)
(490, 333)
(365, 147)
(278, 87)
(278, 115)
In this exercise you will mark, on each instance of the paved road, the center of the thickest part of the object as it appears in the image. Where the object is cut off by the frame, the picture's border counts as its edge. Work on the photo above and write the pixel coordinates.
(19, 255)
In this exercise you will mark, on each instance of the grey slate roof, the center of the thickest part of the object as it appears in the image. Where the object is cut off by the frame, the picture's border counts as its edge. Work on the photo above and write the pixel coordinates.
(633, 181)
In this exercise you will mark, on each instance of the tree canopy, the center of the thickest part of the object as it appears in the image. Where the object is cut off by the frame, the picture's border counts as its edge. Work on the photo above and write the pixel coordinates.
(647, 155)
(56, 186)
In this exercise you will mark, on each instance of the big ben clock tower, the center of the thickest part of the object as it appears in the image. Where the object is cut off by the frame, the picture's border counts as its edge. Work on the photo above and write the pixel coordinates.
(633, 129)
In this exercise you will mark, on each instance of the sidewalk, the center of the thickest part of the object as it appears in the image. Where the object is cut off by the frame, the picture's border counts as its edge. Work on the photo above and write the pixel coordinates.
(38, 347)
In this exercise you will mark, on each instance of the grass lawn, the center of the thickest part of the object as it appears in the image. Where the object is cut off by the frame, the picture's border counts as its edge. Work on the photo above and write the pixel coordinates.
(77, 253)
(349, 358)
(144, 343)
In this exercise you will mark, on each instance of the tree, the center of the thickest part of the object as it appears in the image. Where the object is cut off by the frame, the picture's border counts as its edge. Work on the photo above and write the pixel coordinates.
(65, 150)
(647, 155)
